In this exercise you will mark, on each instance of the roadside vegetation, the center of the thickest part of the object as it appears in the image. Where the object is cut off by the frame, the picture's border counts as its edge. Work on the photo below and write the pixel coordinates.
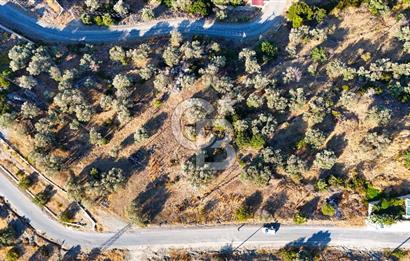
(18, 241)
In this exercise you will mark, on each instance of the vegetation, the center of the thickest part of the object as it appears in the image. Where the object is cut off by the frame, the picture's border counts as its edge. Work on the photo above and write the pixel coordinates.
(268, 50)
(25, 182)
(243, 213)
(387, 211)
(406, 157)
(300, 13)
(312, 106)
(299, 219)
(328, 210)
(13, 254)
(42, 198)
(7, 236)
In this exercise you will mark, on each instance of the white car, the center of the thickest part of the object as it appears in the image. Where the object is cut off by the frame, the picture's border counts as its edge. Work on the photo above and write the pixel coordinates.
(269, 230)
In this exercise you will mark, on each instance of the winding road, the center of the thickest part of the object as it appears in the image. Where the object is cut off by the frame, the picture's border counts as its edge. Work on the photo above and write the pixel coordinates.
(215, 236)
(16, 19)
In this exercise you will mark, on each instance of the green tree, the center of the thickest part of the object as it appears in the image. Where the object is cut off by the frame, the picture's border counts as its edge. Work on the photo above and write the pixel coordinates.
(318, 54)
(200, 7)
(299, 218)
(243, 213)
(268, 49)
(328, 210)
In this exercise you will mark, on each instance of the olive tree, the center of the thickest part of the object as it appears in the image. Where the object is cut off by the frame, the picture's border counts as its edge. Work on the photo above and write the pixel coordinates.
(161, 81)
(73, 101)
(118, 54)
(171, 56)
(140, 55)
(295, 167)
(140, 135)
(96, 137)
(92, 5)
(292, 74)
(147, 14)
(325, 159)
(378, 116)
(27, 82)
(121, 81)
(176, 39)
(29, 110)
(251, 64)
(121, 8)
(404, 36)
(315, 138)
(20, 56)
(40, 62)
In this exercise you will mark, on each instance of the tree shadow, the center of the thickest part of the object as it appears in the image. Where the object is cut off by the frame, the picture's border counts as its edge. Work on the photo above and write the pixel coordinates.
(253, 202)
(313, 245)
(153, 198)
(275, 202)
(141, 158)
(4, 211)
(151, 126)
(286, 138)
(210, 205)
(337, 144)
(43, 253)
(19, 226)
(71, 211)
(72, 253)
(94, 254)
(154, 124)
(309, 208)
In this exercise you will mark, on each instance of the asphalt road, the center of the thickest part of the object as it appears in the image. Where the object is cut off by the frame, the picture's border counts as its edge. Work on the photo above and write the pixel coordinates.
(16, 19)
(213, 236)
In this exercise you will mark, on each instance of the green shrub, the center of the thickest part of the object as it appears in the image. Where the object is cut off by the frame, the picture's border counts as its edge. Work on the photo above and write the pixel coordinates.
(372, 193)
(41, 198)
(318, 54)
(328, 210)
(398, 253)
(257, 141)
(407, 159)
(300, 12)
(299, 218)
(105, 20)
(288, 254)
(383, 219)
(4, 83)
(200, 7)
(243, 141)
(167, 3)
(67, 216)
(321, 185)
(346, 3)
(243, 213)
(86, 19)
(25, 182)
(335, 182)
(377, 7)
(268, 49)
